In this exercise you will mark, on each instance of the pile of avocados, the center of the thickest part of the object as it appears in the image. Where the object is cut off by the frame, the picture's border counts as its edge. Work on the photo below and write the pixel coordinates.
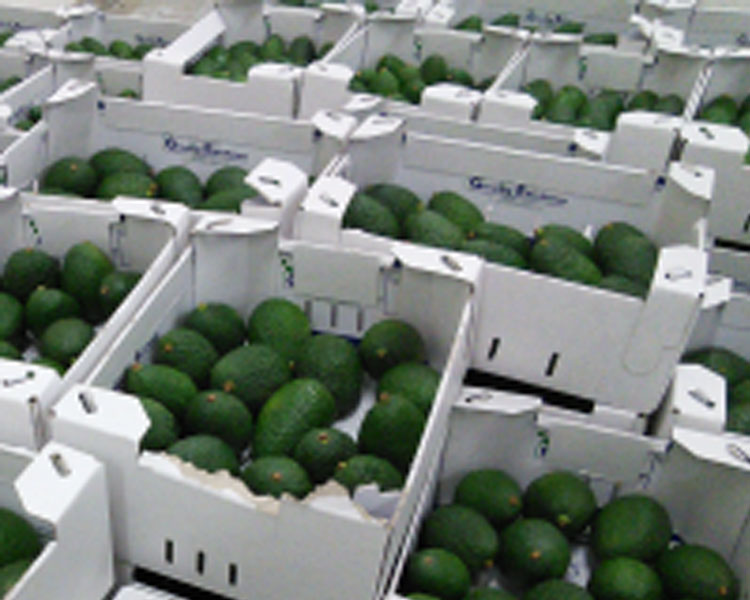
(20, 544)
(529, 536)
(736, 371)
(259, 398)
(400, 80)
(56, 307)
(117, 49)
(115, 172)
(621, 258)
(571, 106)
(234, 62)
(725, 110)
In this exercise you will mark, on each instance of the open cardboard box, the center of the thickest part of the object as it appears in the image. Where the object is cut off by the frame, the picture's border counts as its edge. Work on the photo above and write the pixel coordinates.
(63, 493)
(610, 348)
(142, 592)
(483, 55)
(698, 396)
(138, 235)
(78, 121)
(705, 488)
(272, 88)
(640, 138)
(167, 514)
(712, 23)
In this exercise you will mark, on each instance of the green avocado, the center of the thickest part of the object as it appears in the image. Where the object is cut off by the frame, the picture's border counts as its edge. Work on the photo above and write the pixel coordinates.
(71, 174)
(277, 475)
(207, 453)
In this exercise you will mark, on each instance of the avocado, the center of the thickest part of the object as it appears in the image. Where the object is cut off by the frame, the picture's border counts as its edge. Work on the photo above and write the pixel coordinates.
(243, 48)
(71, 174)
(179, 184)
(11, 573)
(229, 200)
(121, 49)
(624, 285)
(392, 429)
(722, 110)
(187, 351)
(166, 385)
(633, 525)
(24, 124)
(273, 49)
(206, 452)
(563, 499)
(434, 69)
(611, 234)
(367, 214)
(18, 539)
(385, 83)
(438, 572)
(219, 54)
(325, 48)
(363, 469)
(114, 288)
(8, 350)
(671, 104)
(541, 91)
(505, 235)
(252, 373)
(493, 493)
(358, 86)
(566, 106)
(277, 475)
(624, 577)
(697, 572)
(134, 185)
(739, 393)
(495, 253)
(631, 256)
(116, 160)
(601, 112)
(94, 46)
(85, 266)
(508, 20)
(733, 367)
(66, 339)
(569, 27)
(217, 413)
(458, 210)
(738, 411)
(321, 450)
(553, 256)
(11, 317)
(129, 93)
(334, 362)
(414, 381)
(643, 100)
(219, 323)
(224, 179)
(433, 229)
(164, 430)
(401, 201)
(463, 531)
(301, 51)
(533, 550)
(470, 23)
(389, 343)
(204, 67)
(141, 50)
(282, 325)
(292, 411)
(601, 39)
(557, 589)
(238, 69)
(45, 306)
(407, 72)
(412, 90)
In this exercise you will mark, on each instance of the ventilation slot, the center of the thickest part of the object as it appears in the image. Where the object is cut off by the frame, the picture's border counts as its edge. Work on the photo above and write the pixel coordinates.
(200, 562)
(232, 575)
(169, 551)
(494, 347)
(552, 364)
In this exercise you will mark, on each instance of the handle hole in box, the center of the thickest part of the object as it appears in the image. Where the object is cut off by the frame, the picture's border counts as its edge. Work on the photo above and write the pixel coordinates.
(60, 464)
(233, 574)
(552, 364)
(494, 347)
(169, 551)
(200, 562)
(87, 403)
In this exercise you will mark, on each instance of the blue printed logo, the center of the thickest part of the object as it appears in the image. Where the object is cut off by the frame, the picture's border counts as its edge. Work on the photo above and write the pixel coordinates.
(152, 40)
(515, 193)
(743, 39)
(202, 151)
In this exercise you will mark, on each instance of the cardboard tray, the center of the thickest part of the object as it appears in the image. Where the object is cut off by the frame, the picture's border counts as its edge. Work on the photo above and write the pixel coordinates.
(63, 493)
(610, 348)
(271, 89)
(168, 514)
(141, 592)
(138, 235)
(691, 476)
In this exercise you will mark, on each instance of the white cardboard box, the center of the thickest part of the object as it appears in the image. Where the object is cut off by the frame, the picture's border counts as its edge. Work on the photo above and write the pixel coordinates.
(166, 513)
(138, 235)
(691, 476)
(610, 348)
(142, 592)
(482, 55)
(271, 89)
(63, 493)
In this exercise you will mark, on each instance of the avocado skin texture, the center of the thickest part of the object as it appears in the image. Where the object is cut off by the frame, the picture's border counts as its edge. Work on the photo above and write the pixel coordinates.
(433, 229)
(463, 531)
(224, 179)
(117, 160)
(19, 540)
(555, 257)
(643, 100)
(495, 253)
(229, 200)
(301, 51)
(401, 201)
(217, 413)
(164, 430)
(8, 350)
(563, 499)
(282, 325)
(625, 577)
(66, 339)
(493, 493)
(321, 450)
(114, 288)
(458, 210)
(206, 452)
(71, 174)
(434, 69)
(415, 381)
(173, 389)
(11, 573)
(369, 215)
(179, 184)
(697, 571)
(45, 306)
(277, 475)
(84, 267)
(11, 317)
(389, 343)
(505, 235)
(134, 185)
(292, 411)
(439, 572)
(189, 352)
(219, 323)
(534, 550)
(362, 469)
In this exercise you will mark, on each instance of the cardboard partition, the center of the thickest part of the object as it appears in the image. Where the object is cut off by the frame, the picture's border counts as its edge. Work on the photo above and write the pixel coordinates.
(690, 476)
(63, 493)
(166, 512)
(719, 24)
(141, 592)
(272, 88)
(137, 235)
